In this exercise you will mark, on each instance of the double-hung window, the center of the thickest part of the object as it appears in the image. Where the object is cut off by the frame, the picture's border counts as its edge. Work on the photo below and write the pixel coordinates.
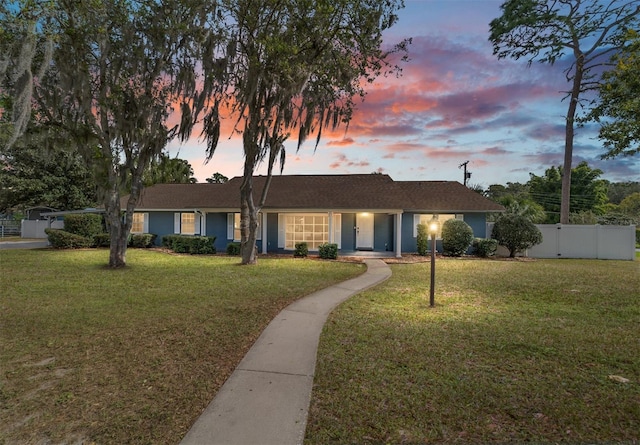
(426, 219)
(140, 223)
(187, 223)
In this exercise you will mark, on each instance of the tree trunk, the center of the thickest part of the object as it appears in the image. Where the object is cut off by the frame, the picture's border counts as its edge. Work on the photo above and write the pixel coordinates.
(118, 232)
(248, 210)
(565, 209)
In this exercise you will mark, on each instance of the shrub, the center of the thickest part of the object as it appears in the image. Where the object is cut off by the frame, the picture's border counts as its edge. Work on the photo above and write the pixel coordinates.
(142, 240)
(189, 244)
(233, 249)
(202, 245)
(61, 239)
(516, 233)
(101, 240)
(302, 250)
(328, 251)
(457, 236)
(485, 247)
(423, 239)
(168, 240)
(84, 224)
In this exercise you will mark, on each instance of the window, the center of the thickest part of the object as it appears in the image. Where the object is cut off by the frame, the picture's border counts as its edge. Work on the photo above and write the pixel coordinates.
(426, 219)
(312, 228)
(233, 226)
(139, 224)
(187, 223)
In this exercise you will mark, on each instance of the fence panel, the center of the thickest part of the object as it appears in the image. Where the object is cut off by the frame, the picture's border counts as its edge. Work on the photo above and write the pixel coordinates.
(35, 229)
(582, 241)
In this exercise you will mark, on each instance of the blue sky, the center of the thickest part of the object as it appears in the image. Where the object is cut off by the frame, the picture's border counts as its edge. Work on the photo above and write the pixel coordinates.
(455, 102)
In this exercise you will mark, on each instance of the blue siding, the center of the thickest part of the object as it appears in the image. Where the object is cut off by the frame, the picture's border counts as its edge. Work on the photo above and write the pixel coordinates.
(161, 224)
(382, 232)
(477, 222)
(217, 226)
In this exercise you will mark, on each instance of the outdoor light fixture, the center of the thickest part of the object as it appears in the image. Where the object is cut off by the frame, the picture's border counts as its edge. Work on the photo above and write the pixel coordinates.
(433, 229)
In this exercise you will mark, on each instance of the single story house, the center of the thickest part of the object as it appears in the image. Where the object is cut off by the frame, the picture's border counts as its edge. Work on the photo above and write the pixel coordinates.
(370, 212)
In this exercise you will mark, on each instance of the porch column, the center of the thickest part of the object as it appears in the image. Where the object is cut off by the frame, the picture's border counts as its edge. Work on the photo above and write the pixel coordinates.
(264, 232)
(399, 235)
(331, 240)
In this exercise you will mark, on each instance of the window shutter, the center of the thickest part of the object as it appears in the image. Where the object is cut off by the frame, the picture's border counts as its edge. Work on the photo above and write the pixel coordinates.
(176, 223)
(145, 223)
(281, 230)
(337, 229)
(416, 221)
(196, 224)
(230, 220)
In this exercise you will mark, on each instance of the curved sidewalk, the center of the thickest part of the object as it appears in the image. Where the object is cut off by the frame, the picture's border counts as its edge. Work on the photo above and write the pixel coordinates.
(266, 399)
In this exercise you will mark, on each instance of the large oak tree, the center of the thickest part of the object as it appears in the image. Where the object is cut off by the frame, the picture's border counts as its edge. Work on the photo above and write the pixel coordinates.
(118, 67)
(294, 67)
(584, 31)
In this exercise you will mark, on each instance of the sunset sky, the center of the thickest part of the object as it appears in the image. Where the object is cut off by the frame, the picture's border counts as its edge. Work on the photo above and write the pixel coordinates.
(455, 102)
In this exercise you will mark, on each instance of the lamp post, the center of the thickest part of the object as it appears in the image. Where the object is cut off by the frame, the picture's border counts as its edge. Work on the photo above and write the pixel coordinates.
(433, 229)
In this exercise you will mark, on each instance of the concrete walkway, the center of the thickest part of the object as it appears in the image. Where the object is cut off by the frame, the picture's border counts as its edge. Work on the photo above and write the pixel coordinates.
(266, 399)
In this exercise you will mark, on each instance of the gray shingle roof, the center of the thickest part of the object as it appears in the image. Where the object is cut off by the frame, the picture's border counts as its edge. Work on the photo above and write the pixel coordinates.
(326, 192)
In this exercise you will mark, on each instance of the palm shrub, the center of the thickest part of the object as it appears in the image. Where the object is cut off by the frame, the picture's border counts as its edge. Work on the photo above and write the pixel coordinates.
(457, 236)
(423, 239)
(516, 233)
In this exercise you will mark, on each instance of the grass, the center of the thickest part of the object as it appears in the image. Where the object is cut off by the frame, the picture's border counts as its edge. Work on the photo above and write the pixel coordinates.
(513, 352)
(131, 356)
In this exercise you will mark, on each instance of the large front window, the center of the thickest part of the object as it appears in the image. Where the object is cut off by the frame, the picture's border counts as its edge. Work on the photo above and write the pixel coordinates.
(312, 229)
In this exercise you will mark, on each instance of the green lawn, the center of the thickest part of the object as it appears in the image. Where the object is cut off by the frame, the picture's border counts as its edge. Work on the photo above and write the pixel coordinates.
(514, 351)
(131, 356)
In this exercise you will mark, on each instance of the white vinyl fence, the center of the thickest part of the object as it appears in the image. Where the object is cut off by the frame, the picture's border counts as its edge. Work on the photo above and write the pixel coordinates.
(583, 241)
(35, 229)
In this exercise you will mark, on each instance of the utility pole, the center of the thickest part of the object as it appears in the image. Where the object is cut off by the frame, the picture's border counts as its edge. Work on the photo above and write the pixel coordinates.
(467, 175)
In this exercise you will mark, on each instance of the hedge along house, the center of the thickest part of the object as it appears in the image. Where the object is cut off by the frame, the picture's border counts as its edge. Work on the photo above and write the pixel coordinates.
(369, 212)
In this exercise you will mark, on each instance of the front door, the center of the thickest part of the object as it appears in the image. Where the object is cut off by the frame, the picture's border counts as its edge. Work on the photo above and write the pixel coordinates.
(364, 231)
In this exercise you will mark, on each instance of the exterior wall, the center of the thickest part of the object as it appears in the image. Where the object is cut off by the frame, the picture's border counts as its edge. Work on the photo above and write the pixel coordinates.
(217, 226)
(477, 222)
(383, 232)
(161, 223)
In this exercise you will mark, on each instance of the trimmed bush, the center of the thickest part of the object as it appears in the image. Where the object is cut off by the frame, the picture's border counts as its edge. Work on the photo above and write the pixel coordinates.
(457, 236)
(233, 249)
(101, 240)
(516, 233)
(196, 245)
(328, 251)
(423, 239)
(87, 225)
(142, 240)
(61, 239)
(302, 250)
(485, 247)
